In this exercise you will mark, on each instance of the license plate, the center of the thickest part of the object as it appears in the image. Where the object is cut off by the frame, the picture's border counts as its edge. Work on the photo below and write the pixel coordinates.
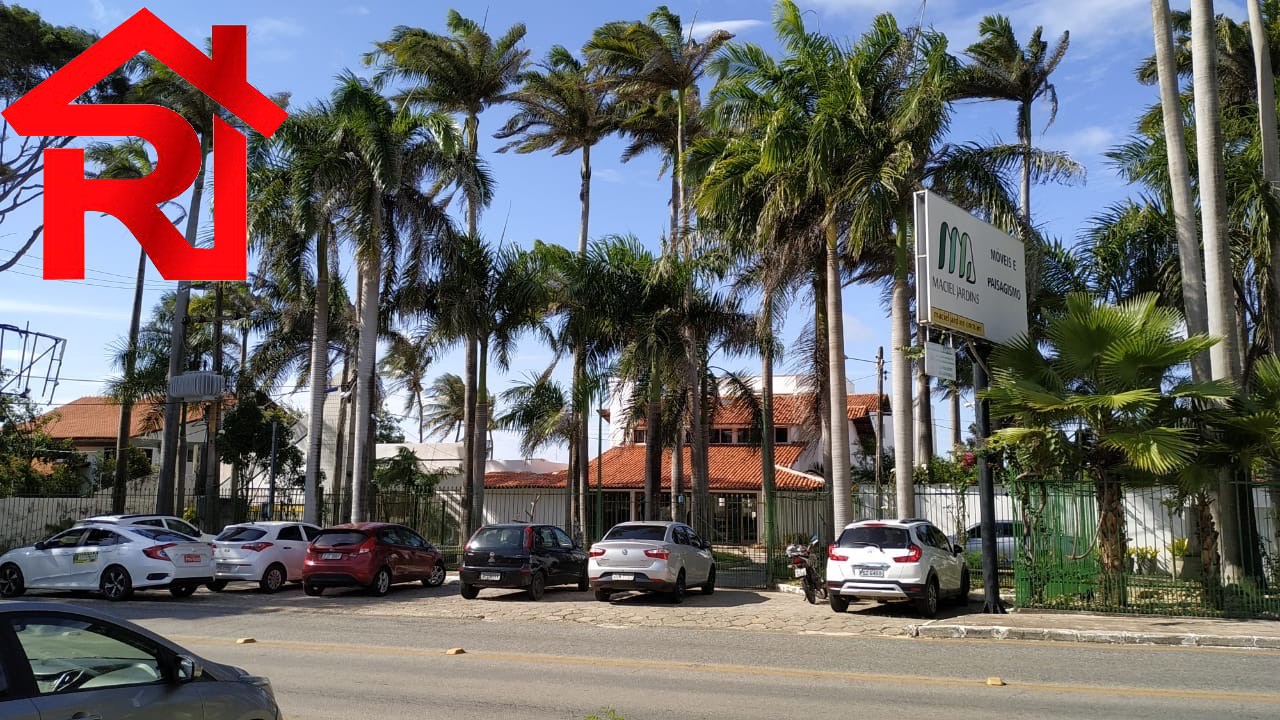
(226, 568)
(801, 572)
(331, 556)
(622, 576)
(871, 572)
(490, 576)
(192, 559)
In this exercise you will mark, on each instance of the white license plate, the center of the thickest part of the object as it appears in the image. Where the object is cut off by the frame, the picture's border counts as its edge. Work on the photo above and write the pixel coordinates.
(226, 568)
(801, 572)
(871, 572)
(622, 576)
(331, 556)
(192, 559)
(491, 576)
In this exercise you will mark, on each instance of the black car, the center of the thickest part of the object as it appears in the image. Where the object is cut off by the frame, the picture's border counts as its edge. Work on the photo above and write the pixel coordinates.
(521, 556)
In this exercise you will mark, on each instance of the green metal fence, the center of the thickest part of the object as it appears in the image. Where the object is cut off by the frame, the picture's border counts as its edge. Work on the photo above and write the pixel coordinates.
(1109, 547)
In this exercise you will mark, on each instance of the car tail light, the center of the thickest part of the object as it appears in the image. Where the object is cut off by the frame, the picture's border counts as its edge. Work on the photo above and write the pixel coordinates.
(872, 524)
(596, 552)
(256, 547)
(913, 555)
(157, 552)
(659, 553)
(832, 555)
(366, 547)
(528, 538)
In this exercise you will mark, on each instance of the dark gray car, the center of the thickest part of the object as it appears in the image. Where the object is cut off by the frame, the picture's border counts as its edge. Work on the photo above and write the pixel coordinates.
(58, 661)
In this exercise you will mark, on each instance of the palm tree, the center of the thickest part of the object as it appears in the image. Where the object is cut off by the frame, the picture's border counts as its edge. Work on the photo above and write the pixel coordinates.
(1268, 137)
(1001, 69)
(405, 365)
(540, 410)
(388, 153)
(464, 72)
(444, 411)
(564, 106)
(1106, 374)
(1225, 359)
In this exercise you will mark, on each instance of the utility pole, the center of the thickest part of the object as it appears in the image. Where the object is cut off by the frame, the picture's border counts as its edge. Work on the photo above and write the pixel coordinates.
(271, 476)
(880, 433)
(213, 482)
(986, 488)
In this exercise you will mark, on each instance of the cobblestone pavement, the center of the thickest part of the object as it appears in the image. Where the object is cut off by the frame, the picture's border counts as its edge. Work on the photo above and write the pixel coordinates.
(736, 610)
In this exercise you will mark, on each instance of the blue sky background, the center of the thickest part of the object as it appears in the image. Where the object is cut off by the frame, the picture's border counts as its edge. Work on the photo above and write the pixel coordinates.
(299, 46)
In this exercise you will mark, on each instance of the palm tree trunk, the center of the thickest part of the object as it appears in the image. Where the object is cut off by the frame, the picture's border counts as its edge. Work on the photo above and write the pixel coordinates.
(653, 442)
(957, 437)
(1195, 305)
(838, 393)
(578, 394)
(1224, 357)
(349, 464)
(361, 459)
(480, 446)
(823, 396)
(340, 430)
(177, 347)
(1111, 541)
(900, 338)
(923, 412)
(213, 467)
(469, 437)
(118, 487)
(767, 477)
(1024, 133)
(1270, 154)
(319, 382)
(180, 497)
(677, 473)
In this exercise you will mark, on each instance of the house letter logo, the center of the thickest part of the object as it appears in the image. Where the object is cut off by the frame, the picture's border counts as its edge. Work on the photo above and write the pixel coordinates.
(51, 109)
(955, 253)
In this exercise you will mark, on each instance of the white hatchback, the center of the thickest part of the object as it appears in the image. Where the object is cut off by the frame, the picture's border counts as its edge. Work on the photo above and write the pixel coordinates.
(666, 557)
(268, 553)
(114, 560)
(895, 560)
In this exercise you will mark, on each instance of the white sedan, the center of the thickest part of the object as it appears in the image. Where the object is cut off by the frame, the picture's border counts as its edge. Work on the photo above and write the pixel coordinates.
(268, 553)
(653, 556)
(113, 560)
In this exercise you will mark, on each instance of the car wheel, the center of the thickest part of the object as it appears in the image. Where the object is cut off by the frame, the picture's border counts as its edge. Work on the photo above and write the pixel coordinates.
(436, 579)
(11, 582)
(312, 589)
(537, 586)
(584, 582)
(604, 595)
(962, 597)
(470, 592)
(927, 605)
(677, 595)
(839, 603)
(182, 591)
(381, 583)
(709, 586)
(116, 584)
(273, 579)
(217, 585)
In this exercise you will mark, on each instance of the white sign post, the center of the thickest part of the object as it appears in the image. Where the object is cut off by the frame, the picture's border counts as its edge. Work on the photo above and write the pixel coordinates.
(970, 276)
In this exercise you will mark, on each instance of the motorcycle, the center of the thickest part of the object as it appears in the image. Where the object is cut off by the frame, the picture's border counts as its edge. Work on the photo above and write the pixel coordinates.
(804, 563)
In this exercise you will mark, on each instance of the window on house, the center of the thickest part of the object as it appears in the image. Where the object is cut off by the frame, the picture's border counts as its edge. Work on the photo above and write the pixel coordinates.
(721, 436)
(782, 434)
(637, 436)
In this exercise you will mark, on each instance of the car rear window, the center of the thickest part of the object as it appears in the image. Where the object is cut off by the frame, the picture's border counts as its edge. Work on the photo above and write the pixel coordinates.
(498, 538)
(160, 535)
(241, 534)
(339, 538)
(637, 532)
(880, 536)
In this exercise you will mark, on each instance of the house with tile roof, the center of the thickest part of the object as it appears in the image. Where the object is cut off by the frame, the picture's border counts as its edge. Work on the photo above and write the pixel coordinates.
(735, 467)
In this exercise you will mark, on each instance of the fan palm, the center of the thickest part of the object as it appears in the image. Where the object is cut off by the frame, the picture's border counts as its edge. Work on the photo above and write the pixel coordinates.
(444, 410)
(1108, 375)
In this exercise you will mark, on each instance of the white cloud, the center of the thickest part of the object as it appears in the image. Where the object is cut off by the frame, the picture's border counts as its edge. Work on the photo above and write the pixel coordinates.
(356, 10)
(266, 29)
(18, 306)
(609, 175)
(702, 28)
(1090, 141)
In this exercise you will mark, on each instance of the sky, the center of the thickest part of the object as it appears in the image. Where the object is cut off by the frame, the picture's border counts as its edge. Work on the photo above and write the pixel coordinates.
(300, 46)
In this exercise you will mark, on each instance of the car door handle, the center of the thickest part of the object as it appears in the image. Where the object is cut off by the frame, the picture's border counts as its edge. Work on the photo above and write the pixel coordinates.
(86, 716)
(288, 547)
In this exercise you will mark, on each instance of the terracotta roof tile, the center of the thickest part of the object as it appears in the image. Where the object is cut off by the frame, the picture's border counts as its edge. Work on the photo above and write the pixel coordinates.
(792, 409)
(96, 417)
(523, 480)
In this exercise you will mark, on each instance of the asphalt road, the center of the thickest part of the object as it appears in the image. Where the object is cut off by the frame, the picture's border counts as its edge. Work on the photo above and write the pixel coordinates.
(339, 667)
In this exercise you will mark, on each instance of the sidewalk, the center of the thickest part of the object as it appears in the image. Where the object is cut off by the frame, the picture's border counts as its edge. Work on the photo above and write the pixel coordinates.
(1105, 629)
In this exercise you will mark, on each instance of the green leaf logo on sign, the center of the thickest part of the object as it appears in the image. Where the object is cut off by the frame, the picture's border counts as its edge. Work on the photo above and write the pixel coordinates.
(959, 261)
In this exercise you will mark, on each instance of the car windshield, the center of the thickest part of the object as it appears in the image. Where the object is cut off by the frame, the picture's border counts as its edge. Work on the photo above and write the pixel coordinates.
(877, 535)
(498, 538)
(241, 534)
(159, 535)
(339, 538)
(637, 532)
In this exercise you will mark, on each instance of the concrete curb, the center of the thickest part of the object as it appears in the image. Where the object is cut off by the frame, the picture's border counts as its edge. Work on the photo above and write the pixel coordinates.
(1102, 637)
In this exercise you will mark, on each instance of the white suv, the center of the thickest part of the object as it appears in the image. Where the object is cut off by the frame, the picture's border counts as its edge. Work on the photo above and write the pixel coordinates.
(895, 560)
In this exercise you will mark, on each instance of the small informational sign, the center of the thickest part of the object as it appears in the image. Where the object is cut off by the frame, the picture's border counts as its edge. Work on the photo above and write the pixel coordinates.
(81, 558)
(970, 276)
(939, 361)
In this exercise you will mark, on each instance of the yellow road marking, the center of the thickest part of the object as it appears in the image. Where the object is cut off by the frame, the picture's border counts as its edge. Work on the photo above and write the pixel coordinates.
(749, 670)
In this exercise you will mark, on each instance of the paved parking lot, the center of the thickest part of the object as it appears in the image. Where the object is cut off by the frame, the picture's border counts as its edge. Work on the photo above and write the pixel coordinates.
(739, 610)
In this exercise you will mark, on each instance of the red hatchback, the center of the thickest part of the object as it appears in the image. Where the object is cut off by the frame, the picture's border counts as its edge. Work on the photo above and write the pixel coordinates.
(370, 555)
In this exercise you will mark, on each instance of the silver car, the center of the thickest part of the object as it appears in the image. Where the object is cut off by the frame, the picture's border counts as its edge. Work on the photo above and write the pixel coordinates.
(666, 557)
(58, 661)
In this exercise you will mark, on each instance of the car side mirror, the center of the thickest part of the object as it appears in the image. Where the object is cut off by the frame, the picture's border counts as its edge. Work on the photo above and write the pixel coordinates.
(186, 670)
(706, 545)
(40, 545)
(957, 549)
